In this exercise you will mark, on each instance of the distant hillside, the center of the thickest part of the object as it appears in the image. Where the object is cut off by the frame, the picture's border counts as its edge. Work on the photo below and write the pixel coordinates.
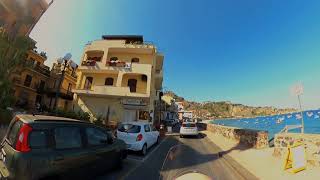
(225, 109)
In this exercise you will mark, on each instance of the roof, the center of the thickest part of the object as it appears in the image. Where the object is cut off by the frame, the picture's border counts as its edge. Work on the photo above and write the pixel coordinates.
(123, 37)
(31, 118)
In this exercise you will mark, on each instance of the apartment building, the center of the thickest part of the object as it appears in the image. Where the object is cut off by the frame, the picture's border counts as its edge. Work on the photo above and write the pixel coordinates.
(119, 78)
(65, 73)
(19, 17)
(30, 81)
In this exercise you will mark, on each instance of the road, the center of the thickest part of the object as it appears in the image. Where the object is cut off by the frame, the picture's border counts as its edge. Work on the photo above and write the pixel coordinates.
(186, 154)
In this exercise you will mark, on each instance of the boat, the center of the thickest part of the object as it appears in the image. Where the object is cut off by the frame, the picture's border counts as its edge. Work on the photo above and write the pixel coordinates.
(289, 116)
(279, 121)
(309, 114)
(298, 116)
(316, 116)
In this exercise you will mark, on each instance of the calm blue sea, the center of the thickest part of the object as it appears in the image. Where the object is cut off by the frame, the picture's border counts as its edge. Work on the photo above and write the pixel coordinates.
(269, 123)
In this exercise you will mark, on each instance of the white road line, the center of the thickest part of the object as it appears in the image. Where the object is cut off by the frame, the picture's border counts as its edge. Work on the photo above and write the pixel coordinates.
(150, 153)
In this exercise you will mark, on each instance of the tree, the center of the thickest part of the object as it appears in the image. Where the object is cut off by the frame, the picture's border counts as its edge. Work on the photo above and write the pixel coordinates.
(13, 52)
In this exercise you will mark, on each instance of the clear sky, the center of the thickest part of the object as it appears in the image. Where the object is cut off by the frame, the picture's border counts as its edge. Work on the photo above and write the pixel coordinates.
(247, 51)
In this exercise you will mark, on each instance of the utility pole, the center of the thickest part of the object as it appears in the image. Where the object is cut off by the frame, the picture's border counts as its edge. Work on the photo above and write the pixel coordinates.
(63, 61)
(301, 112)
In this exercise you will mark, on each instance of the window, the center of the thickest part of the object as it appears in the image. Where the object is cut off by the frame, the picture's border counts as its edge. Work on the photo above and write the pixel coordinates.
(129, 128)
(42, 85)
(67, 137)
(147, 128)
(109, 82)
(38, 139)
(96, 137)
(135, 60)
(144, 78)
(69, 87)
(28, 80)
(88, 83)
(113, 58)
(132, 83)
(14, 131)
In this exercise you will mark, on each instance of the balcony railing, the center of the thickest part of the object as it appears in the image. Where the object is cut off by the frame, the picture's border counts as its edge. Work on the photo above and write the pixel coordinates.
(63, 93)
(110, 91)
(139, 45)
(119, 64)
(88, 63)
(45, 70)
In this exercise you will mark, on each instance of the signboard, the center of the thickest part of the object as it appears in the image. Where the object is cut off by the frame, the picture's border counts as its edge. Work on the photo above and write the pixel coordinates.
(295, 159)
(136, 102)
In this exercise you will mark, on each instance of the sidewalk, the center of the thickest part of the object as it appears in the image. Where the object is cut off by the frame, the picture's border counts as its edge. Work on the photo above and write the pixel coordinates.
(261, 163)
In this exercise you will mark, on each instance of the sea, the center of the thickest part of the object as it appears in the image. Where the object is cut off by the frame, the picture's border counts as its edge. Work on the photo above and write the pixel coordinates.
(274, 124)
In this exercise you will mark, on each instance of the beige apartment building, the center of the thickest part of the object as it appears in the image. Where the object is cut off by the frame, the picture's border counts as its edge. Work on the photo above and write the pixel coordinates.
(118, 79)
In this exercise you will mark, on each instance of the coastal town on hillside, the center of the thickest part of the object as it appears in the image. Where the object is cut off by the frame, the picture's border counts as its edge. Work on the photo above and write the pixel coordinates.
(108, 114)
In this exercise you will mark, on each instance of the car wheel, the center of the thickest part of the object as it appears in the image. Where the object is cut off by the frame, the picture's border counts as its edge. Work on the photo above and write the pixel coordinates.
(144, 149)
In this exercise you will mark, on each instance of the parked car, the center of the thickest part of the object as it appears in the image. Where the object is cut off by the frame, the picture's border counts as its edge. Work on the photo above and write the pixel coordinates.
(37, 147)
(139, 136)
(189, 129)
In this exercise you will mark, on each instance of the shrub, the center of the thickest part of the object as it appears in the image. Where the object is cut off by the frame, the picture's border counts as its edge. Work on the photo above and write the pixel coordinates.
(5, 116)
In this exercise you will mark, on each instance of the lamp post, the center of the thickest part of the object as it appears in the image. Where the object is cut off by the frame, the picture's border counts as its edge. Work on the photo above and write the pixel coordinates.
(65, 60)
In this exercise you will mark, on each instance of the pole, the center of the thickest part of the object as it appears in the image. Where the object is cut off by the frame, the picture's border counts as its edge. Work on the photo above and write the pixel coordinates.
(302, 121)
(59, 85)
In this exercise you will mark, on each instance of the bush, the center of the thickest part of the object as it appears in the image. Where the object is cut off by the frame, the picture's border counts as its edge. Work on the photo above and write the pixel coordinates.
(5, 116)
(84, 116)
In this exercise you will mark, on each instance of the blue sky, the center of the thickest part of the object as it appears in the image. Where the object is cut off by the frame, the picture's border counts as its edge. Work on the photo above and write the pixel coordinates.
(248, 51)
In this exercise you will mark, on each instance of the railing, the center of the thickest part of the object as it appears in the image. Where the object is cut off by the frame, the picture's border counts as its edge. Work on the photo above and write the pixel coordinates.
(63, 93)
(88, 63)
(45, 70)
(119, 64)
(139, 45)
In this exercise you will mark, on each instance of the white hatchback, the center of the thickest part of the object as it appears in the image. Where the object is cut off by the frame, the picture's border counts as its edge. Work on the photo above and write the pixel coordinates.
(139, 136)
(189, 129)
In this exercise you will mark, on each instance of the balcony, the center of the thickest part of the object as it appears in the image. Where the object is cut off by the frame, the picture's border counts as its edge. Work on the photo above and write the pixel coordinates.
(88, 63)
(103, 91)
(42, 69)
(64, 93)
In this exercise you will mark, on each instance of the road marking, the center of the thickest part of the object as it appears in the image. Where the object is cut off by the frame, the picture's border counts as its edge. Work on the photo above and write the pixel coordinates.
(155, 148)
(141, 161)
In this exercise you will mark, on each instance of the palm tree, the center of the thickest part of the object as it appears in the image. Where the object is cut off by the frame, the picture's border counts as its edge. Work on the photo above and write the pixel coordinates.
(12, 55)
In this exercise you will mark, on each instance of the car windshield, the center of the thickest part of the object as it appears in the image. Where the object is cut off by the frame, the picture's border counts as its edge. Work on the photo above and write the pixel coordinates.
(129, 128)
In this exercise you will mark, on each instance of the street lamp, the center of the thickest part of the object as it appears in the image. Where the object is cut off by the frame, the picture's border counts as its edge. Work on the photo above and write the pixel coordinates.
(65, 61)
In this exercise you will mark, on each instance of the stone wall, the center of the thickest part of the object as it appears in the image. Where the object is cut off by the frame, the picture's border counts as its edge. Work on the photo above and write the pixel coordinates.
(249, 137)
(310, 141)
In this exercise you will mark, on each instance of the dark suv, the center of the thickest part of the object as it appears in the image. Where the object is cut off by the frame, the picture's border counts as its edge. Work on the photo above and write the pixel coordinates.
(40, 147)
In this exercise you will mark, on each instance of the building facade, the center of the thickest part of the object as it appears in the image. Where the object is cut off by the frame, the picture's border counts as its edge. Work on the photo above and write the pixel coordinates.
(19, 17)
(119, 78)
(30, 81)
(68, 83)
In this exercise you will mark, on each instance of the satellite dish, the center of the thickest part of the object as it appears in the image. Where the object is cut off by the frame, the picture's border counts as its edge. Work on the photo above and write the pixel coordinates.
(67, 56)
(59, 60)
(73, 65)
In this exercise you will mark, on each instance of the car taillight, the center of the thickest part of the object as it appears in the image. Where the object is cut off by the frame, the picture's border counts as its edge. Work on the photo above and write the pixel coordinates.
(22, 144)
(183, 125)
(139, 137)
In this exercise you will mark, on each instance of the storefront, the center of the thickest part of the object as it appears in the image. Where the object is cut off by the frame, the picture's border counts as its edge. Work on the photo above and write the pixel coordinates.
(135, 109)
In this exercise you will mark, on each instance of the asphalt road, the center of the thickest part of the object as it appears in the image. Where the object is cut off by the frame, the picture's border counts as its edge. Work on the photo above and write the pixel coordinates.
(176, 156)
